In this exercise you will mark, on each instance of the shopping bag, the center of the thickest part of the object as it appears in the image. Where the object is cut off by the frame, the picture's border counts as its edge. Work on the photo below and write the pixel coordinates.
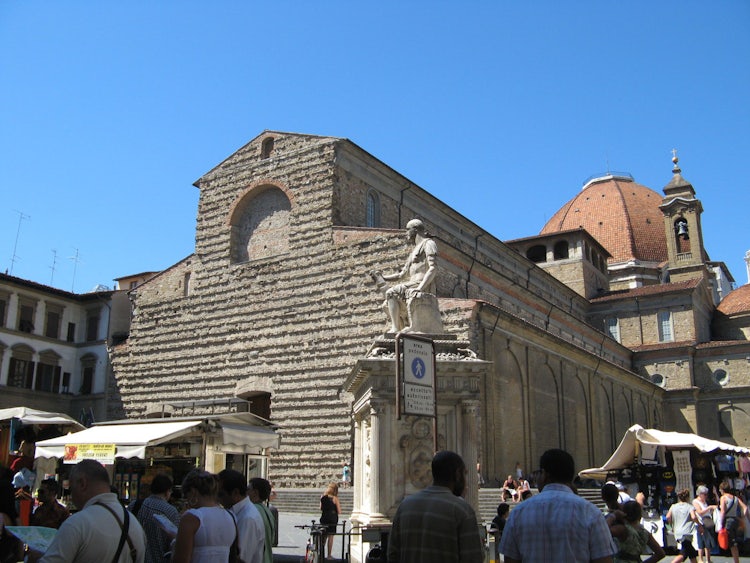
(716, 515)
(723, 536)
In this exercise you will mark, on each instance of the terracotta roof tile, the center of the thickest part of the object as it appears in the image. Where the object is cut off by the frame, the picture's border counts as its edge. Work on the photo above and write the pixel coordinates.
(648, 290)
(738, 301)
(662, 346)
(622, 215)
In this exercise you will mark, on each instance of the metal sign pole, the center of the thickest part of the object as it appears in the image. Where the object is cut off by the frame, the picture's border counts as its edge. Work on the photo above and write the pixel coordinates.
(399, 376)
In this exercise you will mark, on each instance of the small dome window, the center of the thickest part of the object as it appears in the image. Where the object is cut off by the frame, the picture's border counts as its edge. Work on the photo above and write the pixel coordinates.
(562, 250)
(537, 253)
(721, 377)
(658, 379)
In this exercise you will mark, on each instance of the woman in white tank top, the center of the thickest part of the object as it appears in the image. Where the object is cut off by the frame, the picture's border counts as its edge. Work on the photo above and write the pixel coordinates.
(206, 530)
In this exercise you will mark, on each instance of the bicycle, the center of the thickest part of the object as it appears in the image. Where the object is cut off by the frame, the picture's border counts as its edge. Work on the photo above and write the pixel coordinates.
(315, 549)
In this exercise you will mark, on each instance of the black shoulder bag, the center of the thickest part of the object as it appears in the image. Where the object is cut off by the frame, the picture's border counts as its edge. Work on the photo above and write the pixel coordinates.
(124, 536)
(234, 549)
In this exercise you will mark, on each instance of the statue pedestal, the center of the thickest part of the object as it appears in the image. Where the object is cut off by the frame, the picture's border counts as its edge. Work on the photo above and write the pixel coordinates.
(392, 457)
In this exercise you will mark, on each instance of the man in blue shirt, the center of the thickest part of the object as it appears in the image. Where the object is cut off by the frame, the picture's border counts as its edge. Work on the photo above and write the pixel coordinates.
(557, 524)
(157, 540)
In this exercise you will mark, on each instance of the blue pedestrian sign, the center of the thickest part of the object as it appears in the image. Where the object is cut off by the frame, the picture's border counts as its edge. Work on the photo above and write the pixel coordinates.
(417, 370)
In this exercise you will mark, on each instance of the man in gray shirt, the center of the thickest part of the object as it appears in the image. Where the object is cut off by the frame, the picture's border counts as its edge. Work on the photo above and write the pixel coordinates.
(436, 523)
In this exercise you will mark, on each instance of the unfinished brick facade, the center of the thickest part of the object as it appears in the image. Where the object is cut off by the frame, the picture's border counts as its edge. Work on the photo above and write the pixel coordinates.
(277, 304)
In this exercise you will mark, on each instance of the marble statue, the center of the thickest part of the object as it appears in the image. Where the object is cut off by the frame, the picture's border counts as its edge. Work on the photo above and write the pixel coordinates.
(412, 303)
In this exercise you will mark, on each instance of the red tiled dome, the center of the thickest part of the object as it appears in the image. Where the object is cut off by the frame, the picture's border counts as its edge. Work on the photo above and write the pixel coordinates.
(622, 215)
(738, 301)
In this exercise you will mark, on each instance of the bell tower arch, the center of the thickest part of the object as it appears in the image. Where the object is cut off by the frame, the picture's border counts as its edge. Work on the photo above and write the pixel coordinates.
(682, 222)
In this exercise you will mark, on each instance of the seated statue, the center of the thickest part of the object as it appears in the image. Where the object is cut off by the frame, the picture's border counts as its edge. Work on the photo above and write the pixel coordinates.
(412, 304)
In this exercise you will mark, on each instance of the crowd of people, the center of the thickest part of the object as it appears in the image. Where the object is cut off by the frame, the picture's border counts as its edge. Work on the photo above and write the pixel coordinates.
(225, 518)
(700, 518)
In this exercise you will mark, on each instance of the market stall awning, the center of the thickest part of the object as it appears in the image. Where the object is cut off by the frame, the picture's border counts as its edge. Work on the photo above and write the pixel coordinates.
(248, 437)
(131, 440)
(33, 416)
(627, 452)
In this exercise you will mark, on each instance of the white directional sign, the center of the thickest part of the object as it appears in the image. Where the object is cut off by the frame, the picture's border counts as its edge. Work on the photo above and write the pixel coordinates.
(418, 373)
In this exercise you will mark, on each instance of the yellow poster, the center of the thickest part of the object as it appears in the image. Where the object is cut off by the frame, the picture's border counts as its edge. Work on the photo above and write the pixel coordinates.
(103, 453)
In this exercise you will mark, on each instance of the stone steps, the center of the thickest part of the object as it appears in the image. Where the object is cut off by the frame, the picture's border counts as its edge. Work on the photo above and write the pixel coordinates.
(307, 501)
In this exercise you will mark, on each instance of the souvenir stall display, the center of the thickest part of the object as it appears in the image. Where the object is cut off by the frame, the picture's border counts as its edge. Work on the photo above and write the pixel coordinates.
(660, 464)
(20, 429)
(134, 451)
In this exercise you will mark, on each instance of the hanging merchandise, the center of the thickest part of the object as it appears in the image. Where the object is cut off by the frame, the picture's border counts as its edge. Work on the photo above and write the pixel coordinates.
(649, 454)
(683, 470)
(745, 464)
(725, 463)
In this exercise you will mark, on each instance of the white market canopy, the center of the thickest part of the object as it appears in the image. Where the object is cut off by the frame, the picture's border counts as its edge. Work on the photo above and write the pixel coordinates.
(627, 452)
(33, 416)
(239, 431)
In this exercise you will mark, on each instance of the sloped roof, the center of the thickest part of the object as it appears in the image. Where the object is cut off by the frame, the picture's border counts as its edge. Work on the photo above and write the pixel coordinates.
(738, 301)
(648, 290)
(619, 213)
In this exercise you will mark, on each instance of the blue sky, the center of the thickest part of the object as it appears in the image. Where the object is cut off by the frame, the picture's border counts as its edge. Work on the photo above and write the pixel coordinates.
(109, 111)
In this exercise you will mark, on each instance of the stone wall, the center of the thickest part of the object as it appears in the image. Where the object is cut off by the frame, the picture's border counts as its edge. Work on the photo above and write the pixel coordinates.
(294, 324)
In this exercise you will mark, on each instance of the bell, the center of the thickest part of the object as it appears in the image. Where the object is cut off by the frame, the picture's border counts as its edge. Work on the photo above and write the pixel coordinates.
(682, 230)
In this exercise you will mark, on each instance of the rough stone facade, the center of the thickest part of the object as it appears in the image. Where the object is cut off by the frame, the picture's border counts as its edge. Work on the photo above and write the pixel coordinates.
(277, 305)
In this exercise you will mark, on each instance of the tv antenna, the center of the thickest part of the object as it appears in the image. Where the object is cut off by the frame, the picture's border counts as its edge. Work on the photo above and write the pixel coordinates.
(76, 259)
(52, 267)
(15, 258)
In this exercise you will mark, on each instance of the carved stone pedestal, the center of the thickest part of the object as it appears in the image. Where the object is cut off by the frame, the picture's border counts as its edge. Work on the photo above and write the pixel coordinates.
(392, 457)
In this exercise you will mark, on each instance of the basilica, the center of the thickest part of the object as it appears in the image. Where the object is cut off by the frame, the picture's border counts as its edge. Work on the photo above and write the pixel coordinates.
(613, 314)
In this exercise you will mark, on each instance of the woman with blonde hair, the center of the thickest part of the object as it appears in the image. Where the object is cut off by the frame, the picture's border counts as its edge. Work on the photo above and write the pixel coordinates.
(206, 531)
(330, 508)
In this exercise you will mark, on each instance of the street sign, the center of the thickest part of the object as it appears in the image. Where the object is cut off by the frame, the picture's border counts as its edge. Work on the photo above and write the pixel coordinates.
(417, 375)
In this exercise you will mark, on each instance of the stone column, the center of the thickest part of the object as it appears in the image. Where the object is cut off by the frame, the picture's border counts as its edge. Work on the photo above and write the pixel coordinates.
(358, 468)
(469, 450)
(377, 480)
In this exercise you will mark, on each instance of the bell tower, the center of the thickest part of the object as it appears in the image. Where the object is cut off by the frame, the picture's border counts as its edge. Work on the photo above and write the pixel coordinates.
(682, 221)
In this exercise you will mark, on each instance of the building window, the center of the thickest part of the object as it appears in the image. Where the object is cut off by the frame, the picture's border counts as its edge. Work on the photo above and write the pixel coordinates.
(48, 372)
(186, 284)
(725, 423)
(87, 380)
(721, 377)
(373, 209)
(88, 369)
(26, 312)
(47, 378)
(664, 322)
(4, 298)
(561, 250)
(612, 327)
(65, 383)
(537, 253)
(53, 321)
(92, 326)
(658, 379)
(266, 149)
(21, 367)
(71, 332)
